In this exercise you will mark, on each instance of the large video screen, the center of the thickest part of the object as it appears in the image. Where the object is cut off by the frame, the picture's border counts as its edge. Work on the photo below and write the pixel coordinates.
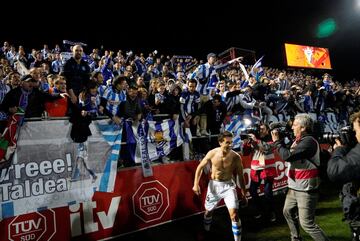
(307, 56)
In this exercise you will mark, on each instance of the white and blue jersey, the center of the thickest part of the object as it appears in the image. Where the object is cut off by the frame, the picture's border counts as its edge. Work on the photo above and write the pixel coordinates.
(140, 67)
(189, 103)
(45, 53)
(11, 56)
(149, 60)
(106, 70)
(90, 104)
(207, 77)
(113, 98)
(231, 98)
(57, 66)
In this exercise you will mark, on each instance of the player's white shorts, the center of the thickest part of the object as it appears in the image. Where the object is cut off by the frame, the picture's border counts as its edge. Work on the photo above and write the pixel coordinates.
(218, 190)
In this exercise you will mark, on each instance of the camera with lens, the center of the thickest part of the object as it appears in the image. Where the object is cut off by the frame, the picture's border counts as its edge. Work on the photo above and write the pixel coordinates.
(346, 135)
(283, 128)
(253, 129)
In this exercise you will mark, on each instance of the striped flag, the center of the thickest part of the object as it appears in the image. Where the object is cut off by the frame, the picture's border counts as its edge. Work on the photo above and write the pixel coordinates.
(140, 67)
(162, 137)
(236, 125)
(112, 135)
(260, 70)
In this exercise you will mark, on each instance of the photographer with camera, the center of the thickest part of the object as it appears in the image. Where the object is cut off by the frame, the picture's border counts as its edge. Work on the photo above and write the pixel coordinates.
(259, 144)
(344, 167)
(303, 158)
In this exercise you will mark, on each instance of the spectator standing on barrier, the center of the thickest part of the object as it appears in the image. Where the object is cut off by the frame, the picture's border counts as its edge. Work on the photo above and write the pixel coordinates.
(77, 73)
(303, 178)
(87, 109)
(207, 78)
(263, 168)
(224, 163)
(344, 167)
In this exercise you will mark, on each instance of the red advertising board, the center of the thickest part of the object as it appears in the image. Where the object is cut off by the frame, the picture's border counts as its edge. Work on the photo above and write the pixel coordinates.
(34, 226)
(135, 204)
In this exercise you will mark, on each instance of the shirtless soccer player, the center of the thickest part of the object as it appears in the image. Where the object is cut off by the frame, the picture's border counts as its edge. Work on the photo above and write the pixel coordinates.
(224, 163)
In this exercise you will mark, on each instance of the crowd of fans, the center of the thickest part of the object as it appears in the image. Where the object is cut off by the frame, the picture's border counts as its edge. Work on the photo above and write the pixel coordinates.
(128, 85)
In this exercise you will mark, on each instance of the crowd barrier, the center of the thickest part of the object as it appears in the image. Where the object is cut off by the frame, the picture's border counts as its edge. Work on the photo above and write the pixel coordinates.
(40, 201)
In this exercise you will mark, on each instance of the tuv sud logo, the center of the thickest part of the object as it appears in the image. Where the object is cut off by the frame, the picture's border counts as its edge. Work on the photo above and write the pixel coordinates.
(33, 227)
(150, 201)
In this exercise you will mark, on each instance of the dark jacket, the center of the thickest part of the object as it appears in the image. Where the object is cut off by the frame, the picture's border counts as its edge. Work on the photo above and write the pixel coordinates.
(344, 165)
(129, 108)
(304, 160)
(167, 105)
(36, 101)
(77, 75)
(215, 115)
(306, 148)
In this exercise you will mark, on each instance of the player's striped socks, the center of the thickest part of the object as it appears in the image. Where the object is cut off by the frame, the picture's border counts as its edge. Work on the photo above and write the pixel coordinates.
(236, 228)
(207, 222)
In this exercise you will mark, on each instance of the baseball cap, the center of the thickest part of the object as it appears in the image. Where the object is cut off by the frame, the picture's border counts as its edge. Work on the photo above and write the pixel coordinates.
(27, 78)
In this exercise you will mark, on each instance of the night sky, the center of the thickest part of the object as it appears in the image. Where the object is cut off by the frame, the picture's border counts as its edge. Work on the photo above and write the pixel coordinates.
(193, 28)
